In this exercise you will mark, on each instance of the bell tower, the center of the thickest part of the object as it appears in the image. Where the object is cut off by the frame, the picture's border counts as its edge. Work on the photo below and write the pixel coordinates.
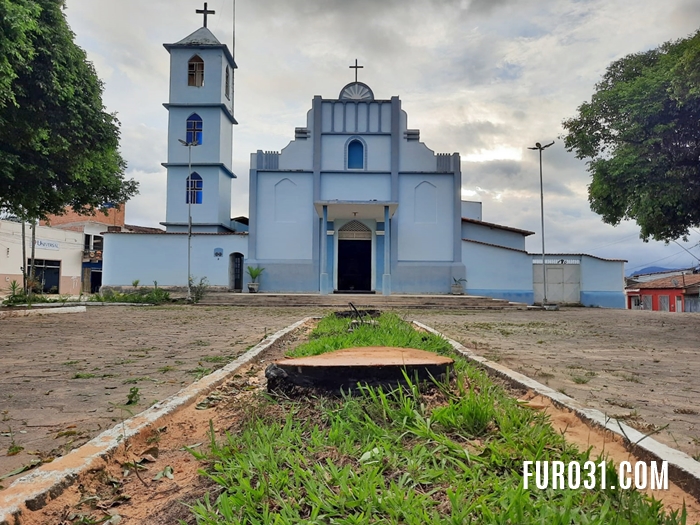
(200, 133)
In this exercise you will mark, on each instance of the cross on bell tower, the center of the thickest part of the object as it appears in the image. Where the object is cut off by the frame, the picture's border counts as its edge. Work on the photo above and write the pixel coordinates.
(205, 12)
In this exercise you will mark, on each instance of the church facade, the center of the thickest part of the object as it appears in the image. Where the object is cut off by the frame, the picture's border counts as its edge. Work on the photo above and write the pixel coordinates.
(354, 203)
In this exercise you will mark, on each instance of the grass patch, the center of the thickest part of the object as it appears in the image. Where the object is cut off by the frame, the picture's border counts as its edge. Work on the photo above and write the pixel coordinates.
(199, 372)
(332, 334)
(84, 375)
(214, 359)
(446, 453)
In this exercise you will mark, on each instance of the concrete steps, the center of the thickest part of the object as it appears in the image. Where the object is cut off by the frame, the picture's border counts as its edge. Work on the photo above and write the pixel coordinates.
(459, 302)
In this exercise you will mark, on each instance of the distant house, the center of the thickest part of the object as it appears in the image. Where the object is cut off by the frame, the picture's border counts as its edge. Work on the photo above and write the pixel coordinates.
(679, 293)
(93, 227)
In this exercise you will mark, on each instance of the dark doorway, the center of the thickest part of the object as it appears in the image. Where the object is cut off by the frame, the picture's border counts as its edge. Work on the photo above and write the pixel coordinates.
(354, 265)
(95, 281)
(235, 272)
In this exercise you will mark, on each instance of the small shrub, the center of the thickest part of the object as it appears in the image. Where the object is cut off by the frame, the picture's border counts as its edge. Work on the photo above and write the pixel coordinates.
(199, 290)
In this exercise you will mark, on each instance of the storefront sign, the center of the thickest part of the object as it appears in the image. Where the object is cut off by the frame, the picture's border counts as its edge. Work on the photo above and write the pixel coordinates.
(48, 245)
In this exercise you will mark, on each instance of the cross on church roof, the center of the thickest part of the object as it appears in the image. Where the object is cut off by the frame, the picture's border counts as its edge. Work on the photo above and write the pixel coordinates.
(356, 67)
(205, 12)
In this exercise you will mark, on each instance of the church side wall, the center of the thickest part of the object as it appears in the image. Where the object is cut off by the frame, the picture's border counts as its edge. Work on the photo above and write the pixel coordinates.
(501, 273)
(154, 257)
(480, 232)
(285, 215)
(602, 283)
(224, 204)
(425, 217)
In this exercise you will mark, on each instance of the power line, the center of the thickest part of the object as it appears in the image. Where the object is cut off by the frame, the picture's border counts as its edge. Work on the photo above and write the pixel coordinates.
(657, 260)
(615, 242)
(679, 244)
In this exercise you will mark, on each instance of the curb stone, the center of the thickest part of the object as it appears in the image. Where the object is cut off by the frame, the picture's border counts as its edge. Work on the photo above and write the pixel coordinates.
(45, 311)
(36, 489)
(683, 470)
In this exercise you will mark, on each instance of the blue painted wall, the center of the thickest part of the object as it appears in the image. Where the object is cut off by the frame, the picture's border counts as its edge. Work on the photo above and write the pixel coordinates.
(498, 272)
(163, 258)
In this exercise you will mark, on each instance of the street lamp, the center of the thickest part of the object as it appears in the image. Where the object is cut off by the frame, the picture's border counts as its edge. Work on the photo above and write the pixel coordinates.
(190, 194)
(540, 147)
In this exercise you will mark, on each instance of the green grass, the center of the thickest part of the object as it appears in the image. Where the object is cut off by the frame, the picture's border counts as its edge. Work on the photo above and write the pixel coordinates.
(332, 334)
(446, 453)
(83, 375)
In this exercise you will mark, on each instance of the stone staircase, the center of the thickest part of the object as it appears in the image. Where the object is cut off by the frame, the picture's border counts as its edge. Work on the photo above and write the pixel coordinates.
(456, 302)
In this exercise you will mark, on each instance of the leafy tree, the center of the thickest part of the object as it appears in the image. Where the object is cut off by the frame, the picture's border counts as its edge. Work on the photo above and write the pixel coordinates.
(641, 132)
(58, 146)
(17, 19)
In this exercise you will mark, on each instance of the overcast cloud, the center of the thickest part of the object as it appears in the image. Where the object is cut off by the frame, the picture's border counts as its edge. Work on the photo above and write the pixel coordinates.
(486, 78)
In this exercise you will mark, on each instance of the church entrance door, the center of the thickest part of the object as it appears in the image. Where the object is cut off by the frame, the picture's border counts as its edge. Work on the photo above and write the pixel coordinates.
(354, 258)
(354, 266)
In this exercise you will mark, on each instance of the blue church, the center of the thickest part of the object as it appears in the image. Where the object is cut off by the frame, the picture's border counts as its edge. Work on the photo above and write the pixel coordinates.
(354, 203)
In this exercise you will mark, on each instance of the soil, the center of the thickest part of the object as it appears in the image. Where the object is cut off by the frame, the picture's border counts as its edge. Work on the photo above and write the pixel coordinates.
(636, 363)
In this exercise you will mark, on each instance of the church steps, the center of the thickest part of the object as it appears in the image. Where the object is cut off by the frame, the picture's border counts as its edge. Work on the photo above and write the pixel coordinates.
(461, 302)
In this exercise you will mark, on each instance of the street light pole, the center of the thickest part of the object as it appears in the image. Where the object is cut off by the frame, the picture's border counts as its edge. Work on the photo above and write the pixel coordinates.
(190, 194)
(540, 147)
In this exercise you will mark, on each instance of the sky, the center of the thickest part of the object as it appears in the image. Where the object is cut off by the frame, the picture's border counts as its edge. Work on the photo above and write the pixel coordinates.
(485, 78)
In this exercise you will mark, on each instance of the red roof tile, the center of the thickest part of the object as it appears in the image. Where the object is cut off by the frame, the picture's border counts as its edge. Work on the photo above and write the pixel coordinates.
(682, 281)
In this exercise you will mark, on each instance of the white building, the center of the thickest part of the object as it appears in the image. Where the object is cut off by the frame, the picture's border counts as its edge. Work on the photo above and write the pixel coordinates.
(58, 257)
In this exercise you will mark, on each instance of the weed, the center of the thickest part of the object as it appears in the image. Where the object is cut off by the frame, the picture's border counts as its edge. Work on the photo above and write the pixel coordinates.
(134, 380)
(84, 375)
(14, 448)
(166, 369)
(198, 290)
(132, 398)
(214, 359)
(580, 380)
(199, 372)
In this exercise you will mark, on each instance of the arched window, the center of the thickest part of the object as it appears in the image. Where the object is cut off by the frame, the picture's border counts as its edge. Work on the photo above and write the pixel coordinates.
(356, 155)
(195, 72)
(194, 129)
(228, 83)
(194, 189)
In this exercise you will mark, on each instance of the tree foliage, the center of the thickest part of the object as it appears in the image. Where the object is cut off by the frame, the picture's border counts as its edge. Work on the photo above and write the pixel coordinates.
(58, 145)
(641, 132)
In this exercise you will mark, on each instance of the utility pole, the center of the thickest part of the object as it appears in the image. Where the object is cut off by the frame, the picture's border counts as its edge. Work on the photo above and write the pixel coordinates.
(540, 147)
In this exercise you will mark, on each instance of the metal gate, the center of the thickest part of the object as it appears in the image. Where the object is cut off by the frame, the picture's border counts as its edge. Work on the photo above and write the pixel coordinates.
(663, 303)
(563, 282)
